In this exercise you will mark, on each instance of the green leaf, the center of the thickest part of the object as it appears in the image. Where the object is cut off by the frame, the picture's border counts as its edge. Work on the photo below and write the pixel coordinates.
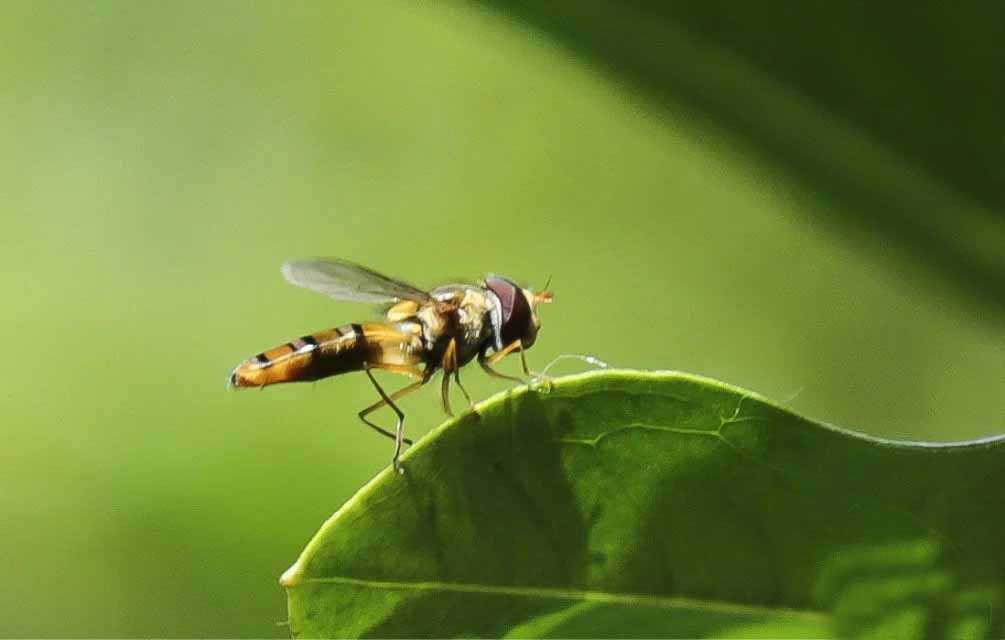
(625, 503)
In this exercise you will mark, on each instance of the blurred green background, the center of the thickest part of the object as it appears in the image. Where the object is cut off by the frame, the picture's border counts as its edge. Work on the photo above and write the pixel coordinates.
(740, 199)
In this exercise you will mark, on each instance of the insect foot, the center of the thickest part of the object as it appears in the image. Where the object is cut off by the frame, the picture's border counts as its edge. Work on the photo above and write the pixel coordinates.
(541, 382)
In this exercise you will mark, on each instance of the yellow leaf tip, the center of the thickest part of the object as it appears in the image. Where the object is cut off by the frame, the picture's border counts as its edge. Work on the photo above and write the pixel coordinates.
(291, 577)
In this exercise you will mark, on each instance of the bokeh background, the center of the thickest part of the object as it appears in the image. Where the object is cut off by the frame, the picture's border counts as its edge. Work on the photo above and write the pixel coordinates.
(802, 201)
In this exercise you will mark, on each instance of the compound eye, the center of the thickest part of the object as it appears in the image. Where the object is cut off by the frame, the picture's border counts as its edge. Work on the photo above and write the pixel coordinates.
(516, 316)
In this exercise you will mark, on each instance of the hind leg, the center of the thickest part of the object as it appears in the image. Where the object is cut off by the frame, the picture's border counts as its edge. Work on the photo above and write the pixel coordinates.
(388, 400)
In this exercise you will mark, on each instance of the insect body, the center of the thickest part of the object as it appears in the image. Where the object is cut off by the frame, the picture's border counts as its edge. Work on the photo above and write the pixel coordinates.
(424, 332)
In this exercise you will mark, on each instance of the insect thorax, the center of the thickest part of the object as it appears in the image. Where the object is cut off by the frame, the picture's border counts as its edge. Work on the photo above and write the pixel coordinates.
(462, 312)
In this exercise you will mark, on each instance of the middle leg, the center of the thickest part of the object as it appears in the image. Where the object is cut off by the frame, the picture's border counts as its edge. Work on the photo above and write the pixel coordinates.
(451, 367)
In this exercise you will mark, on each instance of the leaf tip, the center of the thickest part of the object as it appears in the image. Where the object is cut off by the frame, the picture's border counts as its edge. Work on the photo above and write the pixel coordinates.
(291, 577)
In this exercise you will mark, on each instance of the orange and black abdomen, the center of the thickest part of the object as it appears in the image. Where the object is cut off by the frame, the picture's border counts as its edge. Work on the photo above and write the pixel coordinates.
(331, 352)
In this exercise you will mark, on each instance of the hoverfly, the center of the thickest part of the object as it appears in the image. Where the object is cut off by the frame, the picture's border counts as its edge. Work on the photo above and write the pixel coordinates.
(423, 332)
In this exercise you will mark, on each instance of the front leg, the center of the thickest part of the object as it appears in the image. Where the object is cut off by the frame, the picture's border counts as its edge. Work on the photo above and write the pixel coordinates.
(484, 362)
(487, 363)
(534, 375)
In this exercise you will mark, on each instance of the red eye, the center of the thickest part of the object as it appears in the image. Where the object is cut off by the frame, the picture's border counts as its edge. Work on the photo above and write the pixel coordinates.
(515, 309)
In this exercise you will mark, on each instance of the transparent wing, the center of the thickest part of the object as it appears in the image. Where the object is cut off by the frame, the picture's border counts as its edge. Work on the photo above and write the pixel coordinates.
(348, 281)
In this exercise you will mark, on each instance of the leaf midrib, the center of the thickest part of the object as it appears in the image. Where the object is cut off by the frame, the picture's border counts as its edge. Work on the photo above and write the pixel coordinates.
(577, 595)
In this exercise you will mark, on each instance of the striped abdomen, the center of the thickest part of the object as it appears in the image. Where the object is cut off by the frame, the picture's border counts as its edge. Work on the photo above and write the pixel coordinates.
(331, 352)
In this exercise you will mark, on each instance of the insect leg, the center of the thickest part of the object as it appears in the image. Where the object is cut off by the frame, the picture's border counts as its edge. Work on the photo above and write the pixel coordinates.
(499, 355)
(457, 379)
(523, 363)
(380, 403)
(449, 365)
(445, 393)
(534, 375)
(487, 363)
(399, 431)
(483, 361)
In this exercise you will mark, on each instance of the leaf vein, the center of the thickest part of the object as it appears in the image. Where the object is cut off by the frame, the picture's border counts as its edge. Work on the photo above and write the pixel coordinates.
(637, 599)
(594, 441)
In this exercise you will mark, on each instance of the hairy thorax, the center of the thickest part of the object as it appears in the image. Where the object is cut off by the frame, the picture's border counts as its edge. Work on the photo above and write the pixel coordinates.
(459, 311)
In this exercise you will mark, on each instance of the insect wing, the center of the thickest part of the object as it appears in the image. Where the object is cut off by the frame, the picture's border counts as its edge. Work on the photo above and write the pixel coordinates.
(348, 281)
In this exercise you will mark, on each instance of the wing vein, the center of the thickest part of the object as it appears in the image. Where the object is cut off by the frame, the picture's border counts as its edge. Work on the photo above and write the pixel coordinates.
(344, 280)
